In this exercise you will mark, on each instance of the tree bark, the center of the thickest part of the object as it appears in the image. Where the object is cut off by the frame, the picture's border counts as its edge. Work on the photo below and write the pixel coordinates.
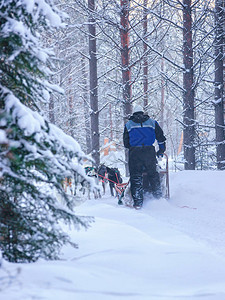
(188, 95)
(219, 83)
(93, 83)
(126, 72)
(145, 58)
(86, 108)
(71, 107)
(111, 122)
(162, 95)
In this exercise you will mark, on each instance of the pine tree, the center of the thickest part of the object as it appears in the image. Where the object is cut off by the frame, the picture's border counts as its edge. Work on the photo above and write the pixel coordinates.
(35, 156)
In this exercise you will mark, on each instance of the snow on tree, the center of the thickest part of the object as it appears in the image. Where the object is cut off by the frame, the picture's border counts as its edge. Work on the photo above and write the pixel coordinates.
(177, 94)
(35, 156)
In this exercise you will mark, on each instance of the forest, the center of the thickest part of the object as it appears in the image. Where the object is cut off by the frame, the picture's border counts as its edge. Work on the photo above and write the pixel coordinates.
(71, 72)
(167, 56)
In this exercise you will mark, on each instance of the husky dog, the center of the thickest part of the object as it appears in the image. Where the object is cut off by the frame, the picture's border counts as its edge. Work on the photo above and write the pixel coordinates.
(114, 178)
(102, 176)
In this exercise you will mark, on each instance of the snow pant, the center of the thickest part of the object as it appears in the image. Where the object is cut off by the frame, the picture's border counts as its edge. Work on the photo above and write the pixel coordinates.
(143, 159)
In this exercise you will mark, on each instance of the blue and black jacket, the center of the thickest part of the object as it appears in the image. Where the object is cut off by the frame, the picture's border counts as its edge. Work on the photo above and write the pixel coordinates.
(141, 131)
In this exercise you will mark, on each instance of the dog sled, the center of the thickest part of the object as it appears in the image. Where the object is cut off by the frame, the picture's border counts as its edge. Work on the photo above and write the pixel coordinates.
(164, 177)
(122, 188)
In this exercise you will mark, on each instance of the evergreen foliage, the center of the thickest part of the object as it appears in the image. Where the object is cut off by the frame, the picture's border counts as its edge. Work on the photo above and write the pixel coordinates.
(35, 156)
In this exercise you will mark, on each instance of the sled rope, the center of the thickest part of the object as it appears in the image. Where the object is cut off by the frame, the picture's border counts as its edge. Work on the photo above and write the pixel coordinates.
(107, 178)
(120, 188)
(117, 178)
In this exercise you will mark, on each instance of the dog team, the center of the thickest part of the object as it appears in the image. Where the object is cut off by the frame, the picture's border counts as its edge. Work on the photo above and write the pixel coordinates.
(140, 134)
(105, 174)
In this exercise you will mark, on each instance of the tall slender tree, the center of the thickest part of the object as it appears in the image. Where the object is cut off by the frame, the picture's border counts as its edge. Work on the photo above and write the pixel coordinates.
(219, 82)
(93, 82)
(188, 95)
(145, 49)
(126, 69)
(86, 105)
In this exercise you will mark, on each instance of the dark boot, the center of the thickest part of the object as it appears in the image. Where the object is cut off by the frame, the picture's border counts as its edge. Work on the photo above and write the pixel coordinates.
(136, 189)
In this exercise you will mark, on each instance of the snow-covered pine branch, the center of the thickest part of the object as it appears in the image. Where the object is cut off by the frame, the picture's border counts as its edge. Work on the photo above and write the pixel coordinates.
(35, 156)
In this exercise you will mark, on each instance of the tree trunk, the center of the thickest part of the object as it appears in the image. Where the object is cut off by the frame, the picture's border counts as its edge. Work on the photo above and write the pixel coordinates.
(219, 84)
(71, 108)
(188, 96)
(145, 58)
(126, 72)
(162, 95)
(111, 122)
(93, 83)
(86, 108)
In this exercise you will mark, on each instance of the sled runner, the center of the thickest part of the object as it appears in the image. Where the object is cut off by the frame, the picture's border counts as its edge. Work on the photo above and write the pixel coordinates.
(163, 170)
(164, 174)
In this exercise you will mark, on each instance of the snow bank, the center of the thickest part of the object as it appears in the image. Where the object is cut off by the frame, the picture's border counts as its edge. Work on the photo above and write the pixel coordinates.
(168, 250)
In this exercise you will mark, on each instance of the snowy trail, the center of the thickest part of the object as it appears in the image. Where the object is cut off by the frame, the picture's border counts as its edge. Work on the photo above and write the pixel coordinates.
(169, 261)
(196, 208)
(162, 252)
(199, 200)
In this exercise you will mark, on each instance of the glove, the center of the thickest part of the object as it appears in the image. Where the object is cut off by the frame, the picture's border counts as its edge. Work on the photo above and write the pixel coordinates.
(160, 152)
(162, 148)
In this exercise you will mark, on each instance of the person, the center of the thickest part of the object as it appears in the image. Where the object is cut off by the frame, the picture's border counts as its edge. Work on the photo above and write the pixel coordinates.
(140, 133)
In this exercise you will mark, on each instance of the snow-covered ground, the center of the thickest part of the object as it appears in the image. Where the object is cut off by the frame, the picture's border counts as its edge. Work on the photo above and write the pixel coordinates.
(168, 250)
